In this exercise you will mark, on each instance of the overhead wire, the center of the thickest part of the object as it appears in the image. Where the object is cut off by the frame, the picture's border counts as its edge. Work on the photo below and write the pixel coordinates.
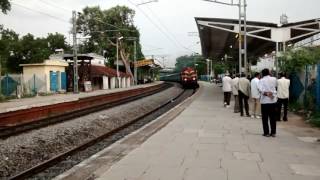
(40, 12)
(167, 29)
(49, 3)
(156, 25)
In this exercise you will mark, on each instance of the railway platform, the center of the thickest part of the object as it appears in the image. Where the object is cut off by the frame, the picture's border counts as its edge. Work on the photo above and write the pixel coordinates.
(201, 139)
(38, 101)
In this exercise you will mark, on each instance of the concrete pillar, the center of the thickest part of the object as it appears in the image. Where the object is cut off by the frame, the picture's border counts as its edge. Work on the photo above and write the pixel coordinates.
(113, 82)
(123, 82)
(128, 82)
(105, 82)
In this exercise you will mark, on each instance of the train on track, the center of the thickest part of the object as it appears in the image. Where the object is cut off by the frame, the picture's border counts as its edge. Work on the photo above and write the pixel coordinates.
(188, 77)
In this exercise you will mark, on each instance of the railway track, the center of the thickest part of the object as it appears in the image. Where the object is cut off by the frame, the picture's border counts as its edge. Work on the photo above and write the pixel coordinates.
(64, 161)
(80, 108)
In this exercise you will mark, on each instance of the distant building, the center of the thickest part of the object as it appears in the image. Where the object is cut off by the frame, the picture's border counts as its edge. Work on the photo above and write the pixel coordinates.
(49, 76)
(264, 62)
(92, 70)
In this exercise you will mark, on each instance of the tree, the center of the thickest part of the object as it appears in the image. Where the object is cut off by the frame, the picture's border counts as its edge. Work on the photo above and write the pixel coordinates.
(28, 49)
(5, 6)
(57, 41)
(218, 69)
(191, 61)
(103, 27)
(295, 60)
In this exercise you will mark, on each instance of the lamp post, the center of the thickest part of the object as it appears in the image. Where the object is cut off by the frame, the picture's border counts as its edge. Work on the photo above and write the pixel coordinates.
(118, 76)
(242, 5)
(208, 63)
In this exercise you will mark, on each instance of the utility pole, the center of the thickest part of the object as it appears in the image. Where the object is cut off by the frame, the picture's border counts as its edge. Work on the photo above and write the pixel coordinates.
(0, 77)
(135, 61)
(117, 67)
(245, 38)
(75, 56)
(243, 34)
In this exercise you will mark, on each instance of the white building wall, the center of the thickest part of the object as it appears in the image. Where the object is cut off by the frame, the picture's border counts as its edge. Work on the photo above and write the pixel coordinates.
(113, 82)
(105, 82)
(123, 82)
(128, 82)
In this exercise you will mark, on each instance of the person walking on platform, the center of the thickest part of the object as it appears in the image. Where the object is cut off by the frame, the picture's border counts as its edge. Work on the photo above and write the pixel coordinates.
(255, 95)
(283, 96)
(227, 89)
(244, 92)
(268, 100)
(235, 88)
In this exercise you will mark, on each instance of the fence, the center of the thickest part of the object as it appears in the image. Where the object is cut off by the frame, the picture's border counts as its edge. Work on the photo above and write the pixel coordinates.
(305, 87)
(18, 85)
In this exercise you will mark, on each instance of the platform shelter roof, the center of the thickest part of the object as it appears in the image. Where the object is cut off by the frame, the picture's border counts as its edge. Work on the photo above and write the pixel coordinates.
(219, 37)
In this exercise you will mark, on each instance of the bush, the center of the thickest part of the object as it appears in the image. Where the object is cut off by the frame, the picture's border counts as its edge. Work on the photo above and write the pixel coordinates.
(2, 98)
(295, 106)
(315, 119)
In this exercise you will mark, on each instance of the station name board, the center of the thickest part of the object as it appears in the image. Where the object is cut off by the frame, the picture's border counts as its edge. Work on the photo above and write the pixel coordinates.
(144, 62)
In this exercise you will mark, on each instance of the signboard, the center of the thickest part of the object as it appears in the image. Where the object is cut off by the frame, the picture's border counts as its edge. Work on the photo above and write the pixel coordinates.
(144, 62)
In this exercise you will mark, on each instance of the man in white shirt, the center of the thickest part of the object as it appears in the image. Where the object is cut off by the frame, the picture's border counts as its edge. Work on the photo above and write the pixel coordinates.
(283, 96)
(235, 88)
(255, 95)
(227, 89)
(268, 100)
(244, 93)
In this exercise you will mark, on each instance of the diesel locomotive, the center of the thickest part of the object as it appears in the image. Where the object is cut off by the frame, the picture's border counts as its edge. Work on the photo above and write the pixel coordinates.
(187, 77)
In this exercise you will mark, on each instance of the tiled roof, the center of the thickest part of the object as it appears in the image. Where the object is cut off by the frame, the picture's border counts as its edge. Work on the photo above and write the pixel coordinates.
(97, 71)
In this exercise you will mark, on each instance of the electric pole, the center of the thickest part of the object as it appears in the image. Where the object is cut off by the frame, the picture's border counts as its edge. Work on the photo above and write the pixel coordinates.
(135, 61)
(0, 78)
(75, 56)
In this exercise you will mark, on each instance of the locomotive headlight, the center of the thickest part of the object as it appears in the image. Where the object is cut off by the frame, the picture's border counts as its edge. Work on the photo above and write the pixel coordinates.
(194, 78)
(185, 79)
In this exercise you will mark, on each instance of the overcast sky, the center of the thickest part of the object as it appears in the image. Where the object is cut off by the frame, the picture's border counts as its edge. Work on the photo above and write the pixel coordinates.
(175, 18)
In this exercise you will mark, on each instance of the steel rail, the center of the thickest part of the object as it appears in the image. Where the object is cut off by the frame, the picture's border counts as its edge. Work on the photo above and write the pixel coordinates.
(105, 102)
(51, 162)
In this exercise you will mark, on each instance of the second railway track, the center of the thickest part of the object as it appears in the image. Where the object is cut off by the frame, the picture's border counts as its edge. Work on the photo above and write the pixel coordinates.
(106, 101)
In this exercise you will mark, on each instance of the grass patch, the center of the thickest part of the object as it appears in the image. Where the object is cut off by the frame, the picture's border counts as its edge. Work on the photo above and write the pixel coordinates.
(315, 119)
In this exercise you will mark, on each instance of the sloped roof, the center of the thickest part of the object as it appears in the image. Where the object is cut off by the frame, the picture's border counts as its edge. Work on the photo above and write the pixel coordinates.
(97, 71)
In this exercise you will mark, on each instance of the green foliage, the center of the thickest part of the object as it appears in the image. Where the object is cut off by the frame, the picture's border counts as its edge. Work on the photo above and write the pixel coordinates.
(27, 49)
(315, 119)
(295, 106)
(103, 26)
(219, 68)
(5, 6)
(295, 60)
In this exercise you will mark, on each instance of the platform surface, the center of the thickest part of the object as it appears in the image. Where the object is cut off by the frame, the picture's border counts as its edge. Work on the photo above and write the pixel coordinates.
(26, 103)
(207, 141)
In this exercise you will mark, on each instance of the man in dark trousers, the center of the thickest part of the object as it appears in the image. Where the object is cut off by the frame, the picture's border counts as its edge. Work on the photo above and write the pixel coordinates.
(244, 93)
(283, 96)
(268, 100)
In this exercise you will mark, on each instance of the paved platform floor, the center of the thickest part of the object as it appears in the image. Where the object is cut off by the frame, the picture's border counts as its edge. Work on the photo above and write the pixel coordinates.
(208, 141)
(25, 103)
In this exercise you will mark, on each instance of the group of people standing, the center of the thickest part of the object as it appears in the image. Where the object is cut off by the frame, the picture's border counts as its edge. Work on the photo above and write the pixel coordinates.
(267, 93)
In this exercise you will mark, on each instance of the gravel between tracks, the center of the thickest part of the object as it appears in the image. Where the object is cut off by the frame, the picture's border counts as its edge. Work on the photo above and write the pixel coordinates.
(28, 149)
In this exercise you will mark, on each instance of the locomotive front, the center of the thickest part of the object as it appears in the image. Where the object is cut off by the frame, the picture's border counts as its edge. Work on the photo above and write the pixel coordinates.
(189, 78)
